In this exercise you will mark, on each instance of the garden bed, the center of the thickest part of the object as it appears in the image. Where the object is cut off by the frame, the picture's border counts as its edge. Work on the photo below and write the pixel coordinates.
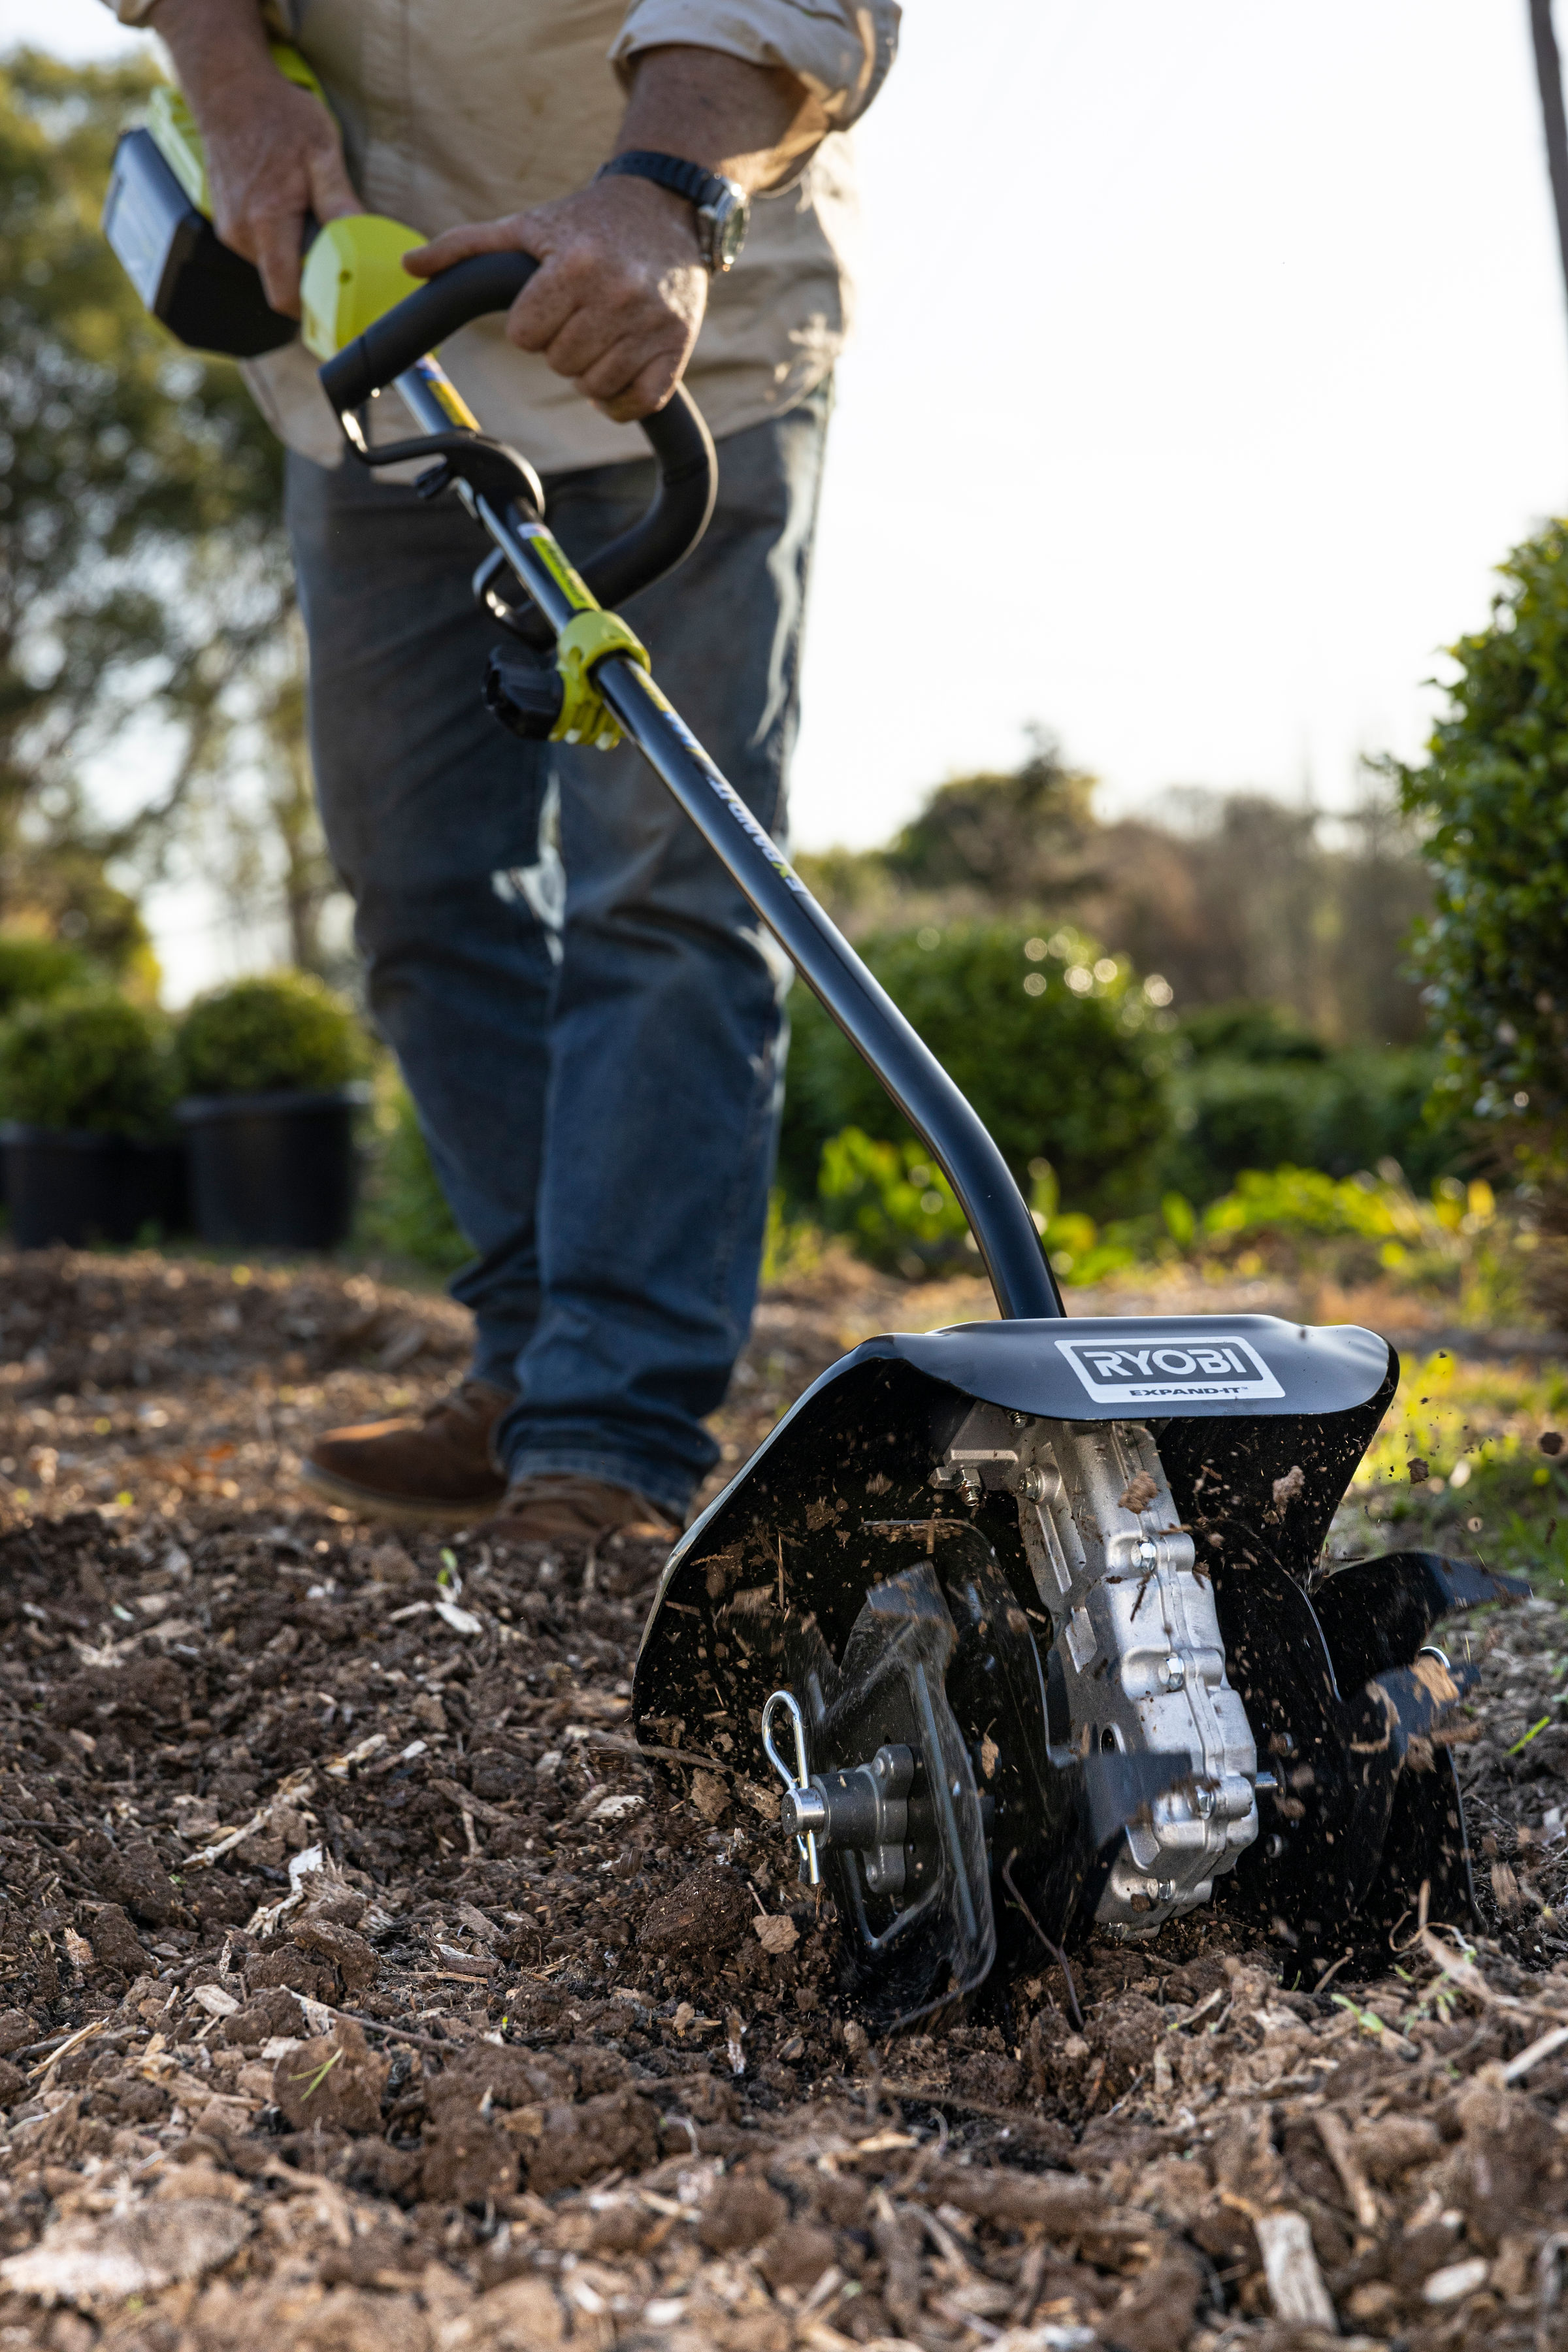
(540, 2055)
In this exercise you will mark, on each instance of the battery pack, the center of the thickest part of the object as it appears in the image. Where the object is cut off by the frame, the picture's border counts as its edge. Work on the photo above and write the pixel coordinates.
(204, 292)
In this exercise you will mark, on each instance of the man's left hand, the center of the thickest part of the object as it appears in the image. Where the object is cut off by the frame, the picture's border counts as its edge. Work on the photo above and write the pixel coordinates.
(619, 296)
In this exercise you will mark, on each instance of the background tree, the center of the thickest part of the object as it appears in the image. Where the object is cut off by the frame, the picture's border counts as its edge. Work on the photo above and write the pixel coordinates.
(145, 593)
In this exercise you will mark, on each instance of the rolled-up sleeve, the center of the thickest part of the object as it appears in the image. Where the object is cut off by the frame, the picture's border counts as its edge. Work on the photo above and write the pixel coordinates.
(841, 49)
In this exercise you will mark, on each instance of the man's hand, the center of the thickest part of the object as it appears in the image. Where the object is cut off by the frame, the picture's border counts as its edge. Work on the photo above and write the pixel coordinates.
(620, 295)
(618, 302)
(273, 149)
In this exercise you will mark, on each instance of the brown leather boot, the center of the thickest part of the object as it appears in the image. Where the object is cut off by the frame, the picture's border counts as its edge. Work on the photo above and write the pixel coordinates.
(563, 1507)
(434, 1469)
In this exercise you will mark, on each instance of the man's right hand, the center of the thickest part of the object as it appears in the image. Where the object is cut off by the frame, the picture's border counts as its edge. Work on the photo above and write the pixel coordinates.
(273, 152)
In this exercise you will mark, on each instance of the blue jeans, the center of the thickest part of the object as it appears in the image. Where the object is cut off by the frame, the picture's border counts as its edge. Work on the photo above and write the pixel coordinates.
(586, 1011)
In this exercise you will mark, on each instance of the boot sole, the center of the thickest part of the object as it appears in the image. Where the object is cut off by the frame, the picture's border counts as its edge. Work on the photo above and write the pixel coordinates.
(393, 1509)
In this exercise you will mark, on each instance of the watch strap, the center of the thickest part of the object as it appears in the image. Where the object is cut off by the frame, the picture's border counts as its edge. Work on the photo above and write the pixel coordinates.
(675, 173)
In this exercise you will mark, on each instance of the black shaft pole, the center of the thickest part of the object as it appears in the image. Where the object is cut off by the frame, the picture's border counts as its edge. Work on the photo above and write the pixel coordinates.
(1549, 74)
(940, 1114)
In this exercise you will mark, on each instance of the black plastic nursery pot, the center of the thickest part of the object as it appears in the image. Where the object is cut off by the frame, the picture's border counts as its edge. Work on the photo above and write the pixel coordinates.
(275, 1171)
(77, 1187)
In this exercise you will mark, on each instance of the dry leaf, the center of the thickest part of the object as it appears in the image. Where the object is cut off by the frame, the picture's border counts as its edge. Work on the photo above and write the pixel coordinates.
(709, 1797)
(777, 1933)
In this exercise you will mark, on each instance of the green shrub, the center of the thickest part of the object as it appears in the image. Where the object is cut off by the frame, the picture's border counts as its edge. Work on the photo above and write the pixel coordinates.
(1305, 1200)
(893, 1202)
(259, 1036)
(92, 1062)
(404, 1209)
(1493, 799)
(1248, 1032)
(1342, 1112)
(1055, 1045)
(1235, 1115)
(32, 969)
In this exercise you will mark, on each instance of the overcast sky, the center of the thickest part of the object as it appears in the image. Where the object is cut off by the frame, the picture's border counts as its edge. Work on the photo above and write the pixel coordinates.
(1210, 356)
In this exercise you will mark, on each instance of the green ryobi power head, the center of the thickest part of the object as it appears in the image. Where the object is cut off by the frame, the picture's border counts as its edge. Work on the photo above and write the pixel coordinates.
(157, 217)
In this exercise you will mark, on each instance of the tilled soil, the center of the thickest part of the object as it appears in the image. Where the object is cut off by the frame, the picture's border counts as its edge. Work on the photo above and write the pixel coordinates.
(364, 1990)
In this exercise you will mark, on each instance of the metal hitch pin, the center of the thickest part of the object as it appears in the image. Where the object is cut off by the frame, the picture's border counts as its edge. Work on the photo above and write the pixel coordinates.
(797, 1784)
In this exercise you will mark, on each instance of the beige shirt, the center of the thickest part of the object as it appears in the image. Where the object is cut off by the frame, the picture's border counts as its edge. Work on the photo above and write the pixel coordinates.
(465, 110)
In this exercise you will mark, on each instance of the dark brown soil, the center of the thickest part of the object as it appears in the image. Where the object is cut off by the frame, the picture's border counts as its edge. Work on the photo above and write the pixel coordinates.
(361, 1989)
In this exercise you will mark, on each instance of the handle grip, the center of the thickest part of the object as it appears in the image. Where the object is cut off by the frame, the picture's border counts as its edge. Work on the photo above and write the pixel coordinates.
(679, 440)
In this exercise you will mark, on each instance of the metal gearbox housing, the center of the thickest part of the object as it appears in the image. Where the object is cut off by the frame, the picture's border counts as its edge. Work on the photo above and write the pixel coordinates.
(1138, 1655)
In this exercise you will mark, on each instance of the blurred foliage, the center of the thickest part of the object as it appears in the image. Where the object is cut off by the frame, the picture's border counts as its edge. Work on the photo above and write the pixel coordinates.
(897, 1210)
(403, 1209)
(1493, 799)
(1055, 1045)
(1250, 1032)
(1339, 1112)
(893, 1202)
(93, 1061)
(286, 1030)
(1231, 898)
(1489, 1488)
(791, 1244)
(996, 840)
(144, 575)
(32, 969)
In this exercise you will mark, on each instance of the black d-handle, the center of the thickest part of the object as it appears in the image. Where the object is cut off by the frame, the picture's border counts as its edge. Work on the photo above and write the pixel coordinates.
(680, 441)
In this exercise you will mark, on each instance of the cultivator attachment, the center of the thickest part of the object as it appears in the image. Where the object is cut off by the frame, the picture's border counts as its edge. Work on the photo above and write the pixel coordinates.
(1028, 1620)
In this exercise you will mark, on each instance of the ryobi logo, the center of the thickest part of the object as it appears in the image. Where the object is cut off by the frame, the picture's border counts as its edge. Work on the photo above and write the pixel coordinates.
(1203, 1366)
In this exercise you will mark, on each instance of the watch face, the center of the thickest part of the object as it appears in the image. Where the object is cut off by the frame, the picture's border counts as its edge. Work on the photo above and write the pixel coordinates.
(732, 222)
(725, 221)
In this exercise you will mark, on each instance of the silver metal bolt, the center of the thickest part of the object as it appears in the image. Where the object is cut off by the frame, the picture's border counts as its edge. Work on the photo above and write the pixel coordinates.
(1147, 1553)
(803, 1812)
(1032, 1486)
(1174, 1672)
(1167, 1890)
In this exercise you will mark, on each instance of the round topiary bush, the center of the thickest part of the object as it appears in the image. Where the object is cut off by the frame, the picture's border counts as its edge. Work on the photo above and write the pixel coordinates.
(284, 1033)
(1056, 1045)
(88, 1064)
(33, 969)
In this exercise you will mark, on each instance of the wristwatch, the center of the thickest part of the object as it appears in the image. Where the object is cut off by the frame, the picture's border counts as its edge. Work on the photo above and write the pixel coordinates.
(722, 206)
